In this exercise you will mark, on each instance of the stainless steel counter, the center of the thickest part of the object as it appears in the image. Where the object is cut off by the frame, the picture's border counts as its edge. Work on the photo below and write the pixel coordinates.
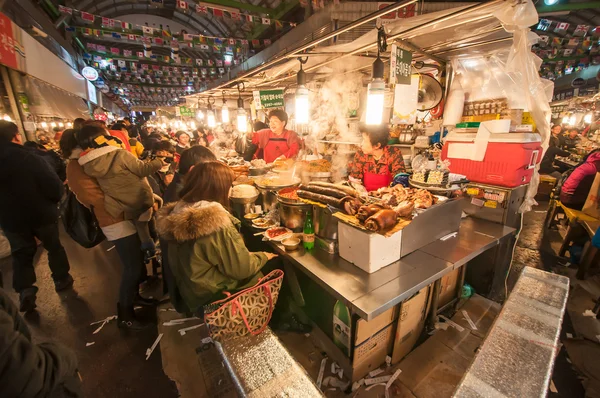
(369, 295)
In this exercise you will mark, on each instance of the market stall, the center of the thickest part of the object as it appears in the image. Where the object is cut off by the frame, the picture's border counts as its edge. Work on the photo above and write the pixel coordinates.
(377, 265)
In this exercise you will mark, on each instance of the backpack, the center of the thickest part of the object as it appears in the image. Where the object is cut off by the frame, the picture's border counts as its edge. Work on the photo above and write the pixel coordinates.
(80, 222)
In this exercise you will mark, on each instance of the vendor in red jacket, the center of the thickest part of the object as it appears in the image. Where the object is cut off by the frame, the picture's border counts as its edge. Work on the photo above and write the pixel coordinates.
(376, 164)
(276, 142)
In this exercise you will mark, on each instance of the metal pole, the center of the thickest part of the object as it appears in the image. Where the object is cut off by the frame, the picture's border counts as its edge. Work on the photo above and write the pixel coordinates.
(12, 100)
(315, 42)
(406, 34)
(435, 299)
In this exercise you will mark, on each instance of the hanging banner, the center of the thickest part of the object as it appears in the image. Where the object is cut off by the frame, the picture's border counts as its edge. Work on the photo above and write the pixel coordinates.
(8, 56)
(400, 65)
(267, 99)
(406, 99)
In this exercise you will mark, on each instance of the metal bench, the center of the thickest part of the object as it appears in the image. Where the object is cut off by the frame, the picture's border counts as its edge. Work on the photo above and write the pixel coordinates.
(517, 356)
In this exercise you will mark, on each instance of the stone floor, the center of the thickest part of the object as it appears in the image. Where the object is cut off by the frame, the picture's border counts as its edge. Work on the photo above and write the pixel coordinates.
(115, 365)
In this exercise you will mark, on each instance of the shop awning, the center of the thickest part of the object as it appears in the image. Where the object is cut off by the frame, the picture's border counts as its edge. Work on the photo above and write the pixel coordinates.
(46, 100)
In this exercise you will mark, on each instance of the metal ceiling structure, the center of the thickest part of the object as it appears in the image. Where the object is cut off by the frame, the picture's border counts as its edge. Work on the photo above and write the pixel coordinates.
(433, 37)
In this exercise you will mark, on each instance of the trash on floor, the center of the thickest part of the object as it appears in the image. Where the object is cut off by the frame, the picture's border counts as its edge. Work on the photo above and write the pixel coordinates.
(150, 350)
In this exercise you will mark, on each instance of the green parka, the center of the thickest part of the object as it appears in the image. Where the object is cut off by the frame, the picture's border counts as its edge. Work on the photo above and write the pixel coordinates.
(207, 254)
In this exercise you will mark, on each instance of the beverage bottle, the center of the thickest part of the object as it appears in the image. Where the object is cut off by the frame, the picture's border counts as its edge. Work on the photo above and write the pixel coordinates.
(308, 237)
(341, 327)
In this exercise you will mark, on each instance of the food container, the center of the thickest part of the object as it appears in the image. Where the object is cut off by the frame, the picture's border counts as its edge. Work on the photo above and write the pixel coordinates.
(371, 251)
(292, 216)
(242, 206)
(509, 159)
(291, 244)
(326, 226)
(321, 176)
(269, 192)
(259, 171)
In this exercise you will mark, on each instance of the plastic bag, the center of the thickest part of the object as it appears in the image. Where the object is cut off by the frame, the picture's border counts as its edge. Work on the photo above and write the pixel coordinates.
(80, 222)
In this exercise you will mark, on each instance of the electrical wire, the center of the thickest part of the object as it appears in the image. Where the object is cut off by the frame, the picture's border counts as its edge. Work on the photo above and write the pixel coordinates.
(512, 259)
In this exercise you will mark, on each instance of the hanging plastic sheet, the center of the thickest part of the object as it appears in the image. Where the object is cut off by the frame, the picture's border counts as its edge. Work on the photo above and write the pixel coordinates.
(49, 101)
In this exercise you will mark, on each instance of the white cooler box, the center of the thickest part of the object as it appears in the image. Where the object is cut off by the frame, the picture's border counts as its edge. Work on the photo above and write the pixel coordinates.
(371, 251)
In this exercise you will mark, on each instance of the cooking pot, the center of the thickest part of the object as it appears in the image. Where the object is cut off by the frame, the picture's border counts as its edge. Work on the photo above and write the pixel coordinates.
(326, 225)
(292, 216)
(269, 192)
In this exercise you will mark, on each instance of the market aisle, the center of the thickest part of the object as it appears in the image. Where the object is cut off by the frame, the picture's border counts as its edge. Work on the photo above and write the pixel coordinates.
(115, 365)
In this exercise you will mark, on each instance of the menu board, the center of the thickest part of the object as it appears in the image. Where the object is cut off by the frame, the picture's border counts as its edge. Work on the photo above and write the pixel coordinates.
(400, 65)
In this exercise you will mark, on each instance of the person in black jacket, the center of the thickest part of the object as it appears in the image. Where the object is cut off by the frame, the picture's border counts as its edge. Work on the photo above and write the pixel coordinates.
(160, 180)
(547, 164)
(29, 200)
(50, 156)
(32, 370)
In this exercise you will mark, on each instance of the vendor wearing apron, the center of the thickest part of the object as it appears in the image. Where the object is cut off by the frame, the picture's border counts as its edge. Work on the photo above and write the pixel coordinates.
(276, 142)
(376, 164)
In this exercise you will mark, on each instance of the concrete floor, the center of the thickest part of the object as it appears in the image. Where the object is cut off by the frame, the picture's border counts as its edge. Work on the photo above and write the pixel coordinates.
(115, 365)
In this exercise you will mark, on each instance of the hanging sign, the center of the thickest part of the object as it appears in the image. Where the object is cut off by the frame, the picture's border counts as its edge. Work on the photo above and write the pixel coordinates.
(406, 12)
(267, 99)
(400, 65)
(185, 111)
(406, 99)
(8, 55)
(90, 73)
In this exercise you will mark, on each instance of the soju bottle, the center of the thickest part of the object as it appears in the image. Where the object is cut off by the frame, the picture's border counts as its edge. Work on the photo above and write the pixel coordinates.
(341, 327)
(308, 237)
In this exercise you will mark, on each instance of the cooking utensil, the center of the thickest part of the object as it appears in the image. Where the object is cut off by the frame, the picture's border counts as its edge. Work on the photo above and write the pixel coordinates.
(269, 192)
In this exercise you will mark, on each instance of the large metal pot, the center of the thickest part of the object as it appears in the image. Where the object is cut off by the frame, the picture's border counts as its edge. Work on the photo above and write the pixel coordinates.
(292, 216)
(242, 206)
(326, 225)
(269, 192)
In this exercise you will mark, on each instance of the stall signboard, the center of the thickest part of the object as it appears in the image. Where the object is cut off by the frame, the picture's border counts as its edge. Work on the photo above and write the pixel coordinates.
(405, 12)
(400, 65)
(267, 99)
(90, 73)
(8, 55)
(185, 111)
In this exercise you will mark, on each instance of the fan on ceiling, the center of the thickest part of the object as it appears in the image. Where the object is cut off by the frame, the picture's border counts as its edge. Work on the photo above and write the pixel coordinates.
(430, 93)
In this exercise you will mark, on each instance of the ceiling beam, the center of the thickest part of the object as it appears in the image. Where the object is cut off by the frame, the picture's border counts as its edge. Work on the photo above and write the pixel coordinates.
(569, 7)
(278, 13)
(242, 6)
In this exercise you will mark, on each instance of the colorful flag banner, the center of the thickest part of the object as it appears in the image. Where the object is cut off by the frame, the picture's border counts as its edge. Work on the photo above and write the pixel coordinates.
(561, 27)
(65, 10)
(182, 4)
(581, 30)
(86, 16)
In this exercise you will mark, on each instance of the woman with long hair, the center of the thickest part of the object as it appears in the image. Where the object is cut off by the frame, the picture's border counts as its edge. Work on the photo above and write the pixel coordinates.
(207, 255)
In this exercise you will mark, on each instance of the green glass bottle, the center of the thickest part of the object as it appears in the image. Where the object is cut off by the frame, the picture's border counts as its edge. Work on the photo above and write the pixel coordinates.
(341, 327)
(308, 237)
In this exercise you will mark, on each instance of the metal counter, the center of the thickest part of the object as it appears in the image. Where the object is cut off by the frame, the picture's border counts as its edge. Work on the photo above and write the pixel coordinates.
(369, 295)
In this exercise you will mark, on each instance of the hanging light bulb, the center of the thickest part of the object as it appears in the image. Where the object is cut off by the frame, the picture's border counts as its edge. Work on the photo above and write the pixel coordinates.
(44, 125)
(69, 125)
(224, 111)
(193, 125)
(587, 118)
(61, 124)
(302, 104)
(7, 118)
(199, 115)
(376, 89)
(210, 114)
(53, 124)
(164, 126)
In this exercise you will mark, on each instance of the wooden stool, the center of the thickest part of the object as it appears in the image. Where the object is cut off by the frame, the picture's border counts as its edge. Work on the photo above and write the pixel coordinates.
(575, 227)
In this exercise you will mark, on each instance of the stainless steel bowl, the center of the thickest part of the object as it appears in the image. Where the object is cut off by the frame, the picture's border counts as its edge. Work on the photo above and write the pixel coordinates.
(242, 206)
(269, 192)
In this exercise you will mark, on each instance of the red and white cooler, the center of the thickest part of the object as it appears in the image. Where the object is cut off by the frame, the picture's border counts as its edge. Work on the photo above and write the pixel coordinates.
(504, 159)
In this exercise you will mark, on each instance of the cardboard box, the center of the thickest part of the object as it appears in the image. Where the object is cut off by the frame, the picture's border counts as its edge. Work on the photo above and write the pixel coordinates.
(367, 329)
(371, 354)
(411, 321)
(448, 287)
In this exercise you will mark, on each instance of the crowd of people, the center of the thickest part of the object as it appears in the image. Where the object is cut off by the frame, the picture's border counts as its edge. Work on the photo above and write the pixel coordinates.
(147, 190)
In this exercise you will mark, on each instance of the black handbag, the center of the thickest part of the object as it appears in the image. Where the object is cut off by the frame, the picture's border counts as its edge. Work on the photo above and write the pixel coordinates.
(80, 222)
